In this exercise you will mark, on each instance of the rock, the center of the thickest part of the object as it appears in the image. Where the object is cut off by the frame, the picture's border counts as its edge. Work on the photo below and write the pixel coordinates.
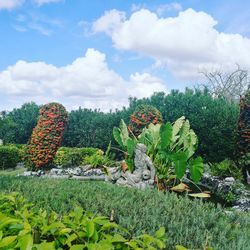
(230, 180)
(1, 142)
(27, 173)
(56, 171)
(143, 175)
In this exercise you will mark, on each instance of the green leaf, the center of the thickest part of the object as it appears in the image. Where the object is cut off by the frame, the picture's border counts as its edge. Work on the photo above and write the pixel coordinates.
(117, 136)
(196, 169)
(77, 247)
(124, 132)
(178, 247)
(7, 241)
(45, 245)
(1, 235)
(176, 127)
(90, 228)
(166, 134)
(71, 238)
(25, 242)
(180, 163)
(131, 147)
(160, 233)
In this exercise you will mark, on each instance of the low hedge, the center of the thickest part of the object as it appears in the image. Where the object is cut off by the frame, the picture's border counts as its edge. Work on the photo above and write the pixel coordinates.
(9, 156)
(70, 157)
(191, 223)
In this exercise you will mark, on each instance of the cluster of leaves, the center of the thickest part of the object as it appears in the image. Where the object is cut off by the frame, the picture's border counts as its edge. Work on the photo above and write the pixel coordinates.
(47, 135)
(9, 156)
(170, 147)
(244, 125)
(26, 228)
(227, 168)
(142, 117)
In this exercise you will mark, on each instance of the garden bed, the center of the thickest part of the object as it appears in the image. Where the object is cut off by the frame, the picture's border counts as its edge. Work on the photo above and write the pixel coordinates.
(191, 223)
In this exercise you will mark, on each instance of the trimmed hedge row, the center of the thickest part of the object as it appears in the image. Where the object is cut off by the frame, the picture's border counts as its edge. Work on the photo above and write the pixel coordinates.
(189, 223)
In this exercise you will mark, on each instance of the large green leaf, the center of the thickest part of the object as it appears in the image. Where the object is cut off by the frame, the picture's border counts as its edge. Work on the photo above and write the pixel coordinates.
(25, 242)
(166, 134)
(117, 136)
(196, 169)
(131, 146)
(180, 163)
(90, 228)
(124, 132)
(154, 132)
(176, 128)
(4, 242)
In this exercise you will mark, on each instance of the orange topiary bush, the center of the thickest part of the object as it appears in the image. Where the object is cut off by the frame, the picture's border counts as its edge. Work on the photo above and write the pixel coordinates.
(47, 135)
(142, 117)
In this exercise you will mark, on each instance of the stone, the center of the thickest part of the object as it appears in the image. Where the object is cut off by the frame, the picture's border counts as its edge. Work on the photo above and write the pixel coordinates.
(143, 175)
(1, 142)
(230, 180)
(56, 171)
(27, 173)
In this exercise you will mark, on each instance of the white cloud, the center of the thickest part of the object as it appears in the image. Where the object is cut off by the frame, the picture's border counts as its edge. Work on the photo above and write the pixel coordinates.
(42, 2)
(163, 8)
(10, 4)
(86, 82)
(184, 44)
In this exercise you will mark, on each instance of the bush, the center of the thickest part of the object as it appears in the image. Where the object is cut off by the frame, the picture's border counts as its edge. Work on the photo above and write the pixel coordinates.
(142, 117)
(191, 223)
(72, 157)
(9, 157)
(227, 168)
(25, 227)
(47, 135)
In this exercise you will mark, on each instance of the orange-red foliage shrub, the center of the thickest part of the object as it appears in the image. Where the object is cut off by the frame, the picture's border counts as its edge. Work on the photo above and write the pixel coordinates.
(47, 135)
(142, 117)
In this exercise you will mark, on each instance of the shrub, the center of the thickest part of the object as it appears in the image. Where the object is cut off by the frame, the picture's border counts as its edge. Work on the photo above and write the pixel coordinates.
(9, 157)
(227, 168)
(70, 157)
(244, 125)
(47, 135)
(191, 223)
(142, 117)
(25, 227)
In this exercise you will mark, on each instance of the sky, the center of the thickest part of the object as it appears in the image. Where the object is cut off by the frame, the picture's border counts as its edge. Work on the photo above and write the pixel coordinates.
(95, 54)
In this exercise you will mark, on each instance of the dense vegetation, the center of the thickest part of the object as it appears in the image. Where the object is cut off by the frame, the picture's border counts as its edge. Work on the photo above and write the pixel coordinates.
(190, 223)
(25, 227)
(214, 120)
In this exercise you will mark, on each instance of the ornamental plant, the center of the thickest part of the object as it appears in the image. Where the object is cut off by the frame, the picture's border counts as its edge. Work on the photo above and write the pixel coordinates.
(46, 136)
(142, 117)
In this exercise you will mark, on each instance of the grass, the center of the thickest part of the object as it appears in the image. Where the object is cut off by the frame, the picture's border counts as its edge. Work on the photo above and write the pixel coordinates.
(13, 172)
(191, 223)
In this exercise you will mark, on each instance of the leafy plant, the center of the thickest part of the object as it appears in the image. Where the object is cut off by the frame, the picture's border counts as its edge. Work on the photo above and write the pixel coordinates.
(9, 156)
(171, 148)
(47, 135)
(26, 228)
(226, 168)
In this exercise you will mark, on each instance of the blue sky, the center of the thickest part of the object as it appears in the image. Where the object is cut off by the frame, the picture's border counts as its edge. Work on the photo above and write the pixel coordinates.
(97, 53)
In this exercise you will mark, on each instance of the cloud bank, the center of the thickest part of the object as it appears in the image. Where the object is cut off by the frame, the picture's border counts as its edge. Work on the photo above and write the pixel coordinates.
(86, 82)
(184, 44)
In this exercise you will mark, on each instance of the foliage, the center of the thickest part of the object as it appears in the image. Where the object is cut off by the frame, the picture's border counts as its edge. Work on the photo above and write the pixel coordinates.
(169, 146)
(214, 120)
(17, 125)
(9, 157)
(142, 117)
(191, 223)
(244, 125)
(24, 227)
(227, 168)
(70, 157)
(46, 136)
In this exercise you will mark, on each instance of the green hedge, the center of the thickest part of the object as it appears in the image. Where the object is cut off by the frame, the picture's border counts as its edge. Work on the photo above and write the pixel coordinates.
(70, 157)
(9, 156)
(189, 223)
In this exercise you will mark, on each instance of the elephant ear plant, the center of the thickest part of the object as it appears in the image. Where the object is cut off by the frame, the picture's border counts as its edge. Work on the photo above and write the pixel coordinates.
(171, 147)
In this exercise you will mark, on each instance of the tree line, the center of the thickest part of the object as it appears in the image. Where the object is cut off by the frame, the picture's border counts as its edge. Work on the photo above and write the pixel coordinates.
(213, 119)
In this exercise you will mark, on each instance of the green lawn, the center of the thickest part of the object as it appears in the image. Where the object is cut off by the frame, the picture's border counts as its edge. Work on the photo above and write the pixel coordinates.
(189, 223)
